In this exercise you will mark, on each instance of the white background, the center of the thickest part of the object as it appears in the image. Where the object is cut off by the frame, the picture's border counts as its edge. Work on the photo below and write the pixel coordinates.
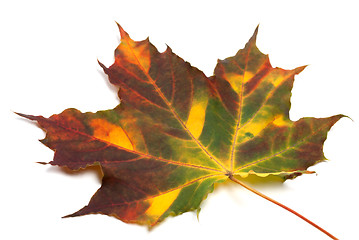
(49, 52)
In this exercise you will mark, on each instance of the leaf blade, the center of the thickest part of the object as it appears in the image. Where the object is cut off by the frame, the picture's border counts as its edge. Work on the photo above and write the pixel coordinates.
(198, 90)
(176, 132)
(300, 142)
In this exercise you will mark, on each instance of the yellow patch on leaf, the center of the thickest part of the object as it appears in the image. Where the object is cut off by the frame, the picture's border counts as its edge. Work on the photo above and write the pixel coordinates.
(161, 203)
(253, 128)
(111, 133)
(281, 122)
(195, 121)
(276, 82)
(246, 174)
(247, 77)
(237, 80)
(136, 54)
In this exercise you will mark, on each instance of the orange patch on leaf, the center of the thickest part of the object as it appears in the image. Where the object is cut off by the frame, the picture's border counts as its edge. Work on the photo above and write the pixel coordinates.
(136, 53)
(109, 132)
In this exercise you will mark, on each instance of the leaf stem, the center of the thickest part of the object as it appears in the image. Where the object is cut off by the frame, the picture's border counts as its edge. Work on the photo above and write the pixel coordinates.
(281, 205)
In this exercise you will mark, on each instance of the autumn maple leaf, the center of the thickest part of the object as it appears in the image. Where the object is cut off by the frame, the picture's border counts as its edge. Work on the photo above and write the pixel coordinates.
(177, 132)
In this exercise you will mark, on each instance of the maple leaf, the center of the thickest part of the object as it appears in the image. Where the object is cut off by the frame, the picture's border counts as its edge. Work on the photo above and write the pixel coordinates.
(177, 132)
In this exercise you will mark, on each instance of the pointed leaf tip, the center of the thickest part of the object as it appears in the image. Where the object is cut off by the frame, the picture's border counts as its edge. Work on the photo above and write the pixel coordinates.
(168, 49)
(31, 117)
(299, 69)
(42, 163)
(254, 36)
(20, 114)
(123, 33)
(105, 69)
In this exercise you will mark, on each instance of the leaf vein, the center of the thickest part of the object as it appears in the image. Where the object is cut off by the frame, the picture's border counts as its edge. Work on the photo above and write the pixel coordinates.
(282, 151)
(159, 91)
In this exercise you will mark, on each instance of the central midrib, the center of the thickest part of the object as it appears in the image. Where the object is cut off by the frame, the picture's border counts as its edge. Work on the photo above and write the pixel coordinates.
(282, 151)
(239, 110)
(158, 90)
(143, 155)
